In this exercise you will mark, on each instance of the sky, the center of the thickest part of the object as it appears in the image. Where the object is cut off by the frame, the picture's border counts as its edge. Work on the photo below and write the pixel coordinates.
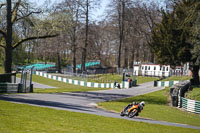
(97, 14)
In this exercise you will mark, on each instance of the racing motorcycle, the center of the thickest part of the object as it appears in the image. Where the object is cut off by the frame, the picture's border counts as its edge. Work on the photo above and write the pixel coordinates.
(131, 110)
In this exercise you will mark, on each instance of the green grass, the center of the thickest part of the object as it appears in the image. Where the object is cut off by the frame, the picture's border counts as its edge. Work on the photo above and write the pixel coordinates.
(106, 78)
(194, 94)
(20, 118)
(64, 87)
(156, 108)
(110, 78)
(175, 78)
(118, 78)
(1, 70)
(61, 86)
(142, 79)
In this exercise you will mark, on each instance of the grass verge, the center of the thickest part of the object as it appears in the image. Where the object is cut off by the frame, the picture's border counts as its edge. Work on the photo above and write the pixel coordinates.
(142, 79)
(20, 118)
(175, 78)
(110, 78)
(61, 86)
(118, 78)
(194, 94)
(156, 108)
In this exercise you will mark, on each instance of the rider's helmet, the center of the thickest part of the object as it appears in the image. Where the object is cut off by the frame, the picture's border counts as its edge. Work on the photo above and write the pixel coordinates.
(142, 103)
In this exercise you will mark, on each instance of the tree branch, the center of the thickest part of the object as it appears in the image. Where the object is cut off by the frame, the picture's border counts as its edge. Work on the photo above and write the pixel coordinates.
(32, 38)
(14, 13)
(2, 46)
(1, 5)
(3, 33)
(28, 15)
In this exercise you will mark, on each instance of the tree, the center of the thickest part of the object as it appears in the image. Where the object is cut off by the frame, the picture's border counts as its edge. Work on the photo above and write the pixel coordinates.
(121, 14)
(13, 16)
(175, 40)
(73, 7)
(84, 52)
(86, 6)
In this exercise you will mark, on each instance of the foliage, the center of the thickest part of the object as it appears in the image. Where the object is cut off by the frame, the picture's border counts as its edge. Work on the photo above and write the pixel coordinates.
(20, 55)
(15, 14)
(175, 40)
(156, 108)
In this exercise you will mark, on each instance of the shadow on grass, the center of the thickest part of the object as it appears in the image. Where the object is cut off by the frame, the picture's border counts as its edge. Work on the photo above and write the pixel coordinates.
(148, 99)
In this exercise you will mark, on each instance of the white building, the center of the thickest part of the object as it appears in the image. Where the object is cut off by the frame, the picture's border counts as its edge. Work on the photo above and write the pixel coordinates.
(152, 70)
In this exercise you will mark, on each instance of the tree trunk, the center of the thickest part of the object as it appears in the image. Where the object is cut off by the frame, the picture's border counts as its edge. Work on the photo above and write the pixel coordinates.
(86, 40)
(152, 57)
(83, 60)
(132, 59)
(74, 41)
(8, 49)
(59, 64)
(195, 75)
(126, 56)
(121, 29)
(74, 60)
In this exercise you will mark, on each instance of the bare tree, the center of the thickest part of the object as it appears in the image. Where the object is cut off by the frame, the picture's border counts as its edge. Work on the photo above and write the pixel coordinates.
(74, 8)
(14, 15)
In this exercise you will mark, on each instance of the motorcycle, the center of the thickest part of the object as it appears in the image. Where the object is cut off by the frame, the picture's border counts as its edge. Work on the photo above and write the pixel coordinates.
(130, 111)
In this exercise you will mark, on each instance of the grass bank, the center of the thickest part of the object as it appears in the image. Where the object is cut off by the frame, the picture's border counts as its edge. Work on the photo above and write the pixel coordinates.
(60, 86)
(109, 78)
(156, 108)
(20, 118)
(177, 78)
(194, 94)
(65, 87)
(118, 78)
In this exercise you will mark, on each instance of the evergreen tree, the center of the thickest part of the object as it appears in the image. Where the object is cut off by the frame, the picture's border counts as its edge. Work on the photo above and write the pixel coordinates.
(175, 40)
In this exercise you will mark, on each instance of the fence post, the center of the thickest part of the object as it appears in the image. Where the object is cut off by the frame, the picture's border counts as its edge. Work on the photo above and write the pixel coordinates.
(179, 99)
(155, 83)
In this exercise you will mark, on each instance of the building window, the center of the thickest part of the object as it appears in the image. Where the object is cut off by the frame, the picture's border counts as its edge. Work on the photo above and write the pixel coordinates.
(142, 68)
(145, 67)
(160, 68)
(163, 68)
(154, 68)
(149, 67)
(167, 68)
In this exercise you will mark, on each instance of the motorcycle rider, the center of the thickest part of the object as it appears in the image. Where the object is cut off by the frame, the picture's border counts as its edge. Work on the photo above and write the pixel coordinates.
(140, 106)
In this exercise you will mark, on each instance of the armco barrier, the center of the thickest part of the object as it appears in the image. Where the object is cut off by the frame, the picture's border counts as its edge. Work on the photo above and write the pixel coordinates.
(10, 88)
(189, 105)
(81, 83)
(164, 83)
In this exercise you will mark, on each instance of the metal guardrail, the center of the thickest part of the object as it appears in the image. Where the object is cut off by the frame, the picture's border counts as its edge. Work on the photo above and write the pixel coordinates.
(189, 105)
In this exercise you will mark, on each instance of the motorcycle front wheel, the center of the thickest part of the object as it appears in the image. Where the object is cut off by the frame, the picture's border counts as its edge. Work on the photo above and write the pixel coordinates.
(122, 113)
